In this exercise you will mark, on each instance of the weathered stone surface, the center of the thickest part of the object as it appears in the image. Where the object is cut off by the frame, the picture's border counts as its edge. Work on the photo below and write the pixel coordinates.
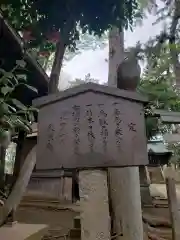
(95, 219)
(97, 124)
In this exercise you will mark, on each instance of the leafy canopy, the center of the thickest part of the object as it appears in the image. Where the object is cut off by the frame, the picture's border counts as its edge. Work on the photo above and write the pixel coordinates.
(157, 83)
(44, 18)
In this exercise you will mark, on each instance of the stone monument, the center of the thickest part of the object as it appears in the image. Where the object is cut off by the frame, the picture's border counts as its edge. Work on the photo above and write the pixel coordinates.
(91, 127)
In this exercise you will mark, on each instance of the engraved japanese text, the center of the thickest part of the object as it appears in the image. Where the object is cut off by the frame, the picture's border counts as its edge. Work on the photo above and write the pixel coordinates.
(50, 137)
(118, 129)
(102, 116)
(76, 128)
(90, 134)
(62, 128)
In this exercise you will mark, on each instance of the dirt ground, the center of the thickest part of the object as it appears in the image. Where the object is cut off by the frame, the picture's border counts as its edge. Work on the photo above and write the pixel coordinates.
(46, 220)
(158, 223)
(20, 231)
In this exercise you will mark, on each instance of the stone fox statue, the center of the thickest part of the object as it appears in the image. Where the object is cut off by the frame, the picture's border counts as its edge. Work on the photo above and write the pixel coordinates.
(128, 72)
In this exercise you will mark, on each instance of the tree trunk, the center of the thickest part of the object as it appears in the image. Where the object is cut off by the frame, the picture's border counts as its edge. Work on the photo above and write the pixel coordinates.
(56, 68)
(116, 55)
(124, 183)
(19, 187)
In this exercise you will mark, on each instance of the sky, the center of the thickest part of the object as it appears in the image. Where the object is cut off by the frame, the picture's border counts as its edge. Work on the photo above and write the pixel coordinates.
(93, 62)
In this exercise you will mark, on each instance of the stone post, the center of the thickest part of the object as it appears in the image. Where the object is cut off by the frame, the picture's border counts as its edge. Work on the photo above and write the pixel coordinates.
(95, 219)
(173, 207)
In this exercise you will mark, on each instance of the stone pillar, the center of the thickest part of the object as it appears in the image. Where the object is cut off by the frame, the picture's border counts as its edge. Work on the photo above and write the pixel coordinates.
(173, 207)
(95, 219)
(127, 200)
(144, 186)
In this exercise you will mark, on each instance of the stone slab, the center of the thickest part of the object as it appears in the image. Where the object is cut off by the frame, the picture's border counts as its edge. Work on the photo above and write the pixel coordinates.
(96, 127)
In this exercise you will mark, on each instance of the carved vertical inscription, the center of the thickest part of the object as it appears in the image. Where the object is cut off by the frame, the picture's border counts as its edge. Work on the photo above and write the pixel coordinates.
(91, 125)
(76, 128)
(118, 130)
(132, 127)
(62, 130)
(50, 137)
(102, 116)
(90, 134)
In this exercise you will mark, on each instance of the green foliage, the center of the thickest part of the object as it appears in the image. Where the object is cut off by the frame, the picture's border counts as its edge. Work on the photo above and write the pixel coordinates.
(145, 7)
(60, 15)
(157, 83)
(47, 22)
(175, 148)
(14, 115)
(79, 81)
(161, 95)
